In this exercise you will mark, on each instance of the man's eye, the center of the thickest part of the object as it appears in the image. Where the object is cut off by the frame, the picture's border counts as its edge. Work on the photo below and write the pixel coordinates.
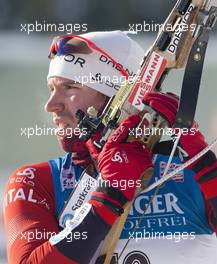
(51, 89)
(69, 87)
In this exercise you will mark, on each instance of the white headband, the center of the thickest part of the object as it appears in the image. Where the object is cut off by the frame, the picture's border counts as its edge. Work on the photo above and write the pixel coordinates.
(95, 69)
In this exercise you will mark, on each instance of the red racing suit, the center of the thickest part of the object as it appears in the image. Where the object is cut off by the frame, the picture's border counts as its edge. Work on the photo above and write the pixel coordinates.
(35, 195)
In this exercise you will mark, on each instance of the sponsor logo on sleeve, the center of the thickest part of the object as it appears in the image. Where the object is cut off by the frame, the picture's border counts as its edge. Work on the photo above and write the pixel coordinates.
(14, 195)
(25, 176)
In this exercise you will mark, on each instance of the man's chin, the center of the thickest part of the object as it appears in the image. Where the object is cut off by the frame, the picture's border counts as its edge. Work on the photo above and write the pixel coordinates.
(66, 143)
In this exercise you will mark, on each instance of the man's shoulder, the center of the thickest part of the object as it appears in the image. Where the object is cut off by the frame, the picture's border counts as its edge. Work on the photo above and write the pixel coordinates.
(30, 176)
(36, 175)
(30, 183)
(40, 166)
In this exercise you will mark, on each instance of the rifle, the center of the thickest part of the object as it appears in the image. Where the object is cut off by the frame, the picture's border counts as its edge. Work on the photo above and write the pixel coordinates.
(185, 29)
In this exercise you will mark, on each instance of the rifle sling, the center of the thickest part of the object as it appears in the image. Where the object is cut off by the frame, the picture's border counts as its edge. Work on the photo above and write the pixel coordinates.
(191, 82)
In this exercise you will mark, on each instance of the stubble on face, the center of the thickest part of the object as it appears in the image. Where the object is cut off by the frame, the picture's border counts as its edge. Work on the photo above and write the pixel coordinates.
(70, 97)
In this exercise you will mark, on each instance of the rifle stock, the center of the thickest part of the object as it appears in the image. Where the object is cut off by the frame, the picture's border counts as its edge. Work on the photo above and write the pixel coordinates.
(169, 51)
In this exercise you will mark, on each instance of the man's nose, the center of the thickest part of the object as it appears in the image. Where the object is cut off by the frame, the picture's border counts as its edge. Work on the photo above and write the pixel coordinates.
(54, 104)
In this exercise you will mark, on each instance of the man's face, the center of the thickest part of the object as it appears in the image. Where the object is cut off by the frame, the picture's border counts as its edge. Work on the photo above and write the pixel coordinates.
(66, 97)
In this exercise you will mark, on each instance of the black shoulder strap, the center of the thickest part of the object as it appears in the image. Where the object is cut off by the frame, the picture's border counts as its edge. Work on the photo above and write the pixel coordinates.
(191, 83)
(193, 71)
